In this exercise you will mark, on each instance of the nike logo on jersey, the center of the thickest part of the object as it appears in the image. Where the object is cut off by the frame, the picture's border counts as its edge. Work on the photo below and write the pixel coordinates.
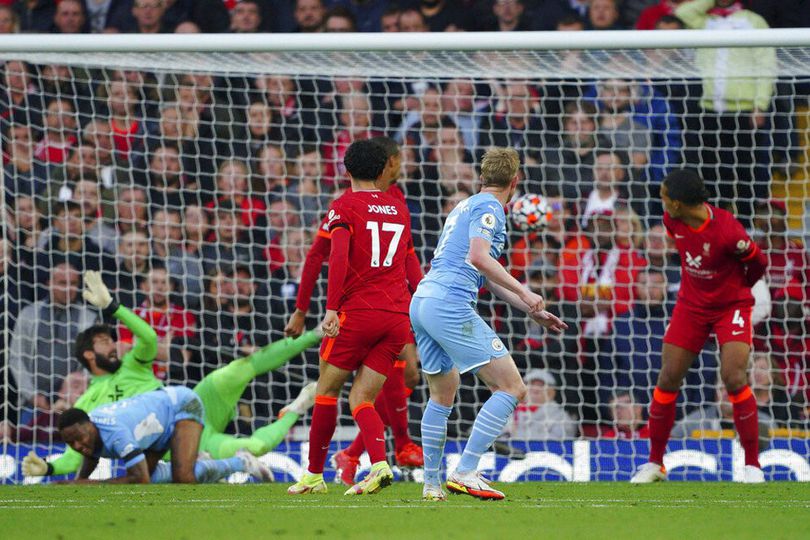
(679, 235)
(694, 262)
(736, 332)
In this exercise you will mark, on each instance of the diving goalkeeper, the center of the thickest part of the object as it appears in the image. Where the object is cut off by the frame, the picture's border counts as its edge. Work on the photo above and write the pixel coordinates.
(113, 380)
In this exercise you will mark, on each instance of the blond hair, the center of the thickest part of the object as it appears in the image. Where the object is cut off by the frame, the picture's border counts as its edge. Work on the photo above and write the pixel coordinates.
(499, 166)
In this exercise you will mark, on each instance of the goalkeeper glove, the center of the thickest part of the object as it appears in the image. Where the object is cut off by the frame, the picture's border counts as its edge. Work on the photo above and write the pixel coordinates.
(33, 465)
(96, 293)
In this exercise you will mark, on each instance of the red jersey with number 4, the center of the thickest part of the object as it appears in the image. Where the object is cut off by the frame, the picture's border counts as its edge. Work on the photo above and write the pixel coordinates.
(713, 258)
(380, 241)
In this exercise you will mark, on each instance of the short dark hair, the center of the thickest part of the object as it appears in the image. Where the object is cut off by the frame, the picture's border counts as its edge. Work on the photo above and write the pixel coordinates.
(388, 144)
(365, 160)
(84, 341)
(686, 186)
(570, 19)
(624, 157)
(65, 207)
(72, 417)
(670, 19)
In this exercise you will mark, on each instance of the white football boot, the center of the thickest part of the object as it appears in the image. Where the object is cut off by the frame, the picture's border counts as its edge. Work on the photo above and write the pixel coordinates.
(649, 473)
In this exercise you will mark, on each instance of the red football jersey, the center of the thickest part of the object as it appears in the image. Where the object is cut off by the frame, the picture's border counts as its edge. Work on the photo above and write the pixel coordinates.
(380, 241)
(712, 260)
(393, 191)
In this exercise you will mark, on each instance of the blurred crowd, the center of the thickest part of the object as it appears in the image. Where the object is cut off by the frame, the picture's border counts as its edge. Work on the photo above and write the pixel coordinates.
(197, 196)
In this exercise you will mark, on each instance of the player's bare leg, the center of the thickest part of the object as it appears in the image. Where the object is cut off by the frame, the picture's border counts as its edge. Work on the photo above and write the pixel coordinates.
(734, 374)
(675, 363)
(443, 388)
(365, 388)
(508, 389)
(185, 444)
(324, 420)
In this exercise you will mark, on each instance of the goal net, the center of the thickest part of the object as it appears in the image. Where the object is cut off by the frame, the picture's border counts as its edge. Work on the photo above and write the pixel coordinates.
(196, 181)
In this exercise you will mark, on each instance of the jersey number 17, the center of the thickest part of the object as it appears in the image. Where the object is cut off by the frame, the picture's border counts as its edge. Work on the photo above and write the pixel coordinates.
(374, 227)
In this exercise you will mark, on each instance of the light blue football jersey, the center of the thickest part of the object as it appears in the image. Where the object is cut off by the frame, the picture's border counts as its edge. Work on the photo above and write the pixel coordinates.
(132, 426)
(452, 276)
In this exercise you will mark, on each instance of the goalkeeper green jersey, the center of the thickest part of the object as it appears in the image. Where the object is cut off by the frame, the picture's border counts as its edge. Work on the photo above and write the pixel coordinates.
(134, 377)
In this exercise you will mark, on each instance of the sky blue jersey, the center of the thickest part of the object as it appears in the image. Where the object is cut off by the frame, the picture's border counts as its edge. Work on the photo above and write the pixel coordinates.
(452, 276)
(132, 426)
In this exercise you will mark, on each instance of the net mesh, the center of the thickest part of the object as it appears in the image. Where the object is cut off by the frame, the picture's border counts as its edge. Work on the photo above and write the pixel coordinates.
(219, 167)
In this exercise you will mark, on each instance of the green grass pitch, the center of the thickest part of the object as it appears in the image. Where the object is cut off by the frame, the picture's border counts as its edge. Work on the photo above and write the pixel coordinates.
(532, 510)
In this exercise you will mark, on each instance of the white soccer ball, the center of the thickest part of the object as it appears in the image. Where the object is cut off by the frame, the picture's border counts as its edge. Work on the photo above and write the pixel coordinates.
(530, 213)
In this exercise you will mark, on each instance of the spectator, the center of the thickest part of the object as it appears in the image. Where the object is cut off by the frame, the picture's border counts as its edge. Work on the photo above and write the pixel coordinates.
(650, 17)
(412, 20)
(662, 257)
(40, 356)
(339, 19)
(68, 242)
(459, 104)
(627, 418)
(567, 170)
(60, 133)
(21, 102)
(81, 164)
(270, 172)
(86, 193)
(187, 27)
(25, 227)
(98, 135)
(734, 120)
(36, 16)
(355, 125)
(110, 16)
(196, 228)
(421, 127)
(22, 175)
(510, 15)
(449, 163)
(669, 22)
(148, 15)
(169, 187)
(603, 15)
(305, 190)
(126, 122)
(134, 262)
(559, 14)
(441, 16)
(130, 209)
(283, 214)
(517, 124)
(9, 21)
(631, 358)
(768, 385)
(367, 14)
(246, 17)
(261, 130)
(174, 325)
(70, 17)
(788, 260)
(389, 20)
(636, 118)
(716, 417)
(541, 418)
(233, 178)
(284, 281)
(184, 267)
(281, 94)
(181, 129)
(309, 15)
(229, 248)
(609, 184)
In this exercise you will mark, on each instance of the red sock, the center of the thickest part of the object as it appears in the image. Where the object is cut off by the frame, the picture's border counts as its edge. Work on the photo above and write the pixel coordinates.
(357, 447)
(396, 403)
(372, 430)
(324, 421)
(747, 423)
(662, 417)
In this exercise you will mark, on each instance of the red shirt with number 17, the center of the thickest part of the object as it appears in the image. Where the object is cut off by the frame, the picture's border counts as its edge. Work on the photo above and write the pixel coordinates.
(380, 241)
(713, 258)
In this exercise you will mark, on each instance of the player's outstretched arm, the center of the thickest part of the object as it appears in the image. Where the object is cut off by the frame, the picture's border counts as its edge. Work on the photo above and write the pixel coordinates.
(338, 269)
(497, 275)
(96, 293)
(542, 317)
(318, 254)
(136, 474)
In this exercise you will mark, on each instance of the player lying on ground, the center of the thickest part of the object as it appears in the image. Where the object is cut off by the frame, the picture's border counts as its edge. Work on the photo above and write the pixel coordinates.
(452, 338)
(141, 429)
(719, 265)
(114, 379)
(366, 317)
(392, 403)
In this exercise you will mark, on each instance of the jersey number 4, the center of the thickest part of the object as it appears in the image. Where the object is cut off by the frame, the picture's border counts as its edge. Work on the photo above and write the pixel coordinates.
(374, 227)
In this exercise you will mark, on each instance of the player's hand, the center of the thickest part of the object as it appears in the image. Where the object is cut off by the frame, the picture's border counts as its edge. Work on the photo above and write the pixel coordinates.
(330, 323)
(295, 326)
(549, 320)
(33, 465)
(534, 301)
(95, 292)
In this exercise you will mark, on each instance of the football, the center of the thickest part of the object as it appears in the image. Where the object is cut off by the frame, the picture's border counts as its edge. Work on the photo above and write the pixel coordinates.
(530, 213)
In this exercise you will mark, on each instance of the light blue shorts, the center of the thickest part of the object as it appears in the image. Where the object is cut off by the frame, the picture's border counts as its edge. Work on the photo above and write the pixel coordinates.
(452, 335)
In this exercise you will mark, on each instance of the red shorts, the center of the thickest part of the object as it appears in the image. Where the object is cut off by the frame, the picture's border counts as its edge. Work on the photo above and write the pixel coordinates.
(368, 338)
(690, 328)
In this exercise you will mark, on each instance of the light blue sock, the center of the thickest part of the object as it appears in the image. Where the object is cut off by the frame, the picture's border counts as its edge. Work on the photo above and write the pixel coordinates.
(206, 471)
(434, 433)
(488, 425)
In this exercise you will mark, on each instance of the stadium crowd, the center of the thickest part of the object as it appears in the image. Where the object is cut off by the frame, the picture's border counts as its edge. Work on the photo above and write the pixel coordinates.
(197, 196)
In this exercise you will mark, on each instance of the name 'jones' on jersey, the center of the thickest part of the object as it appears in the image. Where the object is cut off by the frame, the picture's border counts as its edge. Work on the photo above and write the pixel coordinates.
(381, 239)
(451, 274)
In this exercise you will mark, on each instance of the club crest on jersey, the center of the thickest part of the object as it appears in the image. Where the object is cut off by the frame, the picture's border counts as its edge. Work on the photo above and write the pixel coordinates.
(694, 262)
(488, 220)
(706, 248)
(743, 246)
(497, 345)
